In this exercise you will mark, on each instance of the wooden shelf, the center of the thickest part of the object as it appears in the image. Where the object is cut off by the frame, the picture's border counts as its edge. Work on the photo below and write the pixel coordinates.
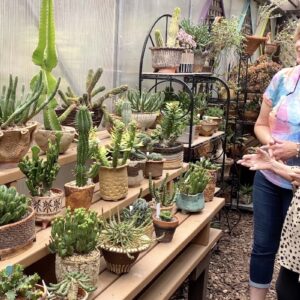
(203, 139)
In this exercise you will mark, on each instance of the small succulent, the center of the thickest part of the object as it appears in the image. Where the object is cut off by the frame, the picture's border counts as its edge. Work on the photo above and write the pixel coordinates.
(155, 156)
(214, 111)
(166, 216)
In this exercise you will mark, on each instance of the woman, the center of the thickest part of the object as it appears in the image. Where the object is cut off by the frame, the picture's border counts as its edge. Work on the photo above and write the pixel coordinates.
(287, 286)
(278, 127)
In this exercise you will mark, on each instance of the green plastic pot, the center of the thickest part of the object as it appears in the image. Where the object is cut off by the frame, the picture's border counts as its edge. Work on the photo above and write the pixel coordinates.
(190, 203)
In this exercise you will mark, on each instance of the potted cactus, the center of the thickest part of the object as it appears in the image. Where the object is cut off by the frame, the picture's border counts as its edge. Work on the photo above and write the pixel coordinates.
(165, 136)
(17, 227)
(161, 195)
(145, 107)
(16, 129)
(189, 195)
(15, 285)
(74, 239)
(121, 243)
(214, 114)
(40, 175)
(154, 165)
(165, 225)
(166, 58)
(74, 286)
(79, 193)
(207, 127)
(112, 162)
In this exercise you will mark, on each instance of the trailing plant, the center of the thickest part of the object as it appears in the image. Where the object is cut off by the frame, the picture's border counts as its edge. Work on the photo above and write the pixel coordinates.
(75, 233)
(15, 284)
(214, 111)
(166, 216)
(193, 181)
(145, 101)
(161, 194)
(69, 287)
(17, 112)
(41, 173)
(13, 206)
(155, 156)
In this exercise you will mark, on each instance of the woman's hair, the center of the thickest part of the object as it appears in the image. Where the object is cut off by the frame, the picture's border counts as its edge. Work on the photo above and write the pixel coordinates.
(297, 33)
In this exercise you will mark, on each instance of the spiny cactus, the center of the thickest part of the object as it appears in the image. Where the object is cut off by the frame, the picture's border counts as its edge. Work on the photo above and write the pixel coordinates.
(129, 142)
(41, 173)
(68, 288)
(76, 232)
(155, 156)
(83, 127)
(126, 112)
(13, 206)
(159, 41)
(173, 28)
(166, 216)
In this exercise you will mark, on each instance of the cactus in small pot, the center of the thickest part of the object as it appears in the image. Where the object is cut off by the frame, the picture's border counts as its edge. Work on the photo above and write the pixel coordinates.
(154, 165)
(80, 193)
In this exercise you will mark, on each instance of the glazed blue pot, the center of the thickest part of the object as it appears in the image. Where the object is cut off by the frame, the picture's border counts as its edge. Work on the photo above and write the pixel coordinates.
(190, 203)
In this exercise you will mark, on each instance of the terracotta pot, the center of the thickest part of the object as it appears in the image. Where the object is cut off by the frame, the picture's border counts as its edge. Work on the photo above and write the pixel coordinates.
(166, 59)
(88, 264)
(48, 206)
(207, 128)
(113, 183)
(252, 43)
(42, 136)
(18, 234)
(209, 191)
(199, 61)
(165, 230)
(189, 203)
(77, 197)
(118, 260)
(135, 171)
(15, 142)
(270, 49)
(251, 115)
(144, 120)
(173, 156)
(155, 168)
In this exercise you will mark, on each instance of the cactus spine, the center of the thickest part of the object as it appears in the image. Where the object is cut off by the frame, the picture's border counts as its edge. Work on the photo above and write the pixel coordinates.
(173, 28)
(159, 41)
(83, 127)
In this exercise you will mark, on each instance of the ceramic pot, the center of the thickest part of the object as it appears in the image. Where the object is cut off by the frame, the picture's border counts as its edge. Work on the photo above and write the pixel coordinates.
(165, 230)
(189, 203)
(217, 120)
(252, 43)
(113, 183)
(173, 156)
(77, 197)
(135, 171)
(209, 191)
(48, 206)
(15, 142)
(88, 264)
(251, 115)
(207, 128)
(155, 168)
(166, 59)
(42, 136)
(144, 120)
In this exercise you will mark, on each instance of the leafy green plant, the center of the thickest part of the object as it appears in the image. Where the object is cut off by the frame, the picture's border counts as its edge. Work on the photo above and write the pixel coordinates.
(193, 181)
(145, 101)
(161, 194)
(155, 156)
(16, 284)
(207, 164)
(75, 233)
(246, 189)
(68, 288)
(13, 206)
(41, 173)
(200, 102)
(253, 105)
(166, 216)
(214, 111)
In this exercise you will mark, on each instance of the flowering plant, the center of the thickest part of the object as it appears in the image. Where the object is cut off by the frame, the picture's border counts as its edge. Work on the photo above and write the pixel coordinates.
(185, 40)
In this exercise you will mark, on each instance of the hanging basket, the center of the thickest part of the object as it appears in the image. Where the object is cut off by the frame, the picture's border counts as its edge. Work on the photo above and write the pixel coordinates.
(253, 42)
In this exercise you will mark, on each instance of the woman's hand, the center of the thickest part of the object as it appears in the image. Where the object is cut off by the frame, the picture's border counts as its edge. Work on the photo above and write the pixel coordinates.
(282, 150)
(261, 160)
(295, 175)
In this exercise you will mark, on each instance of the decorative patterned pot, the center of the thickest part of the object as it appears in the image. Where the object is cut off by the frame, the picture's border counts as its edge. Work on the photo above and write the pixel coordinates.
(144, 120)
(189, 203)
(166, 59)
(15, 142)
(135, 171)
(217, 120)
(48, 206)
(209, 191)
(113, 183)
(207, 128)
(17, 235)
(88, 264)
(77, 197)
(155, 168)
(42, 136)
(165, 230)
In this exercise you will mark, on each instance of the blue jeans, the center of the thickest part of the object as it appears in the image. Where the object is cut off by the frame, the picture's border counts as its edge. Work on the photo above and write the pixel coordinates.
(270, 205)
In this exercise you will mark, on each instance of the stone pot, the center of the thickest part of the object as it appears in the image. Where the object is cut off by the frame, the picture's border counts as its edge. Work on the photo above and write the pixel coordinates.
(173, 156)
(155, 168)
(189, 203)
(209, 191)
(207, 128)
(88, 264)
(113, 183)
(42, 136)
(15, 142)
(135, 171)
(77, 197)
(48, 206)
(144, 120)
(165, 230)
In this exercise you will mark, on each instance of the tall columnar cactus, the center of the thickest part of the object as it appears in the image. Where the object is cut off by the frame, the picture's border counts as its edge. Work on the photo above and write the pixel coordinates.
(117, 139)
(173, 28)
(130, 141)
(159, 41)
(126, 112)
(83, 126)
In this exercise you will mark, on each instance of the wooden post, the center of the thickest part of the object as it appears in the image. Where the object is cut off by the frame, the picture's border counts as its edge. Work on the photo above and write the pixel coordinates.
(202, 238)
